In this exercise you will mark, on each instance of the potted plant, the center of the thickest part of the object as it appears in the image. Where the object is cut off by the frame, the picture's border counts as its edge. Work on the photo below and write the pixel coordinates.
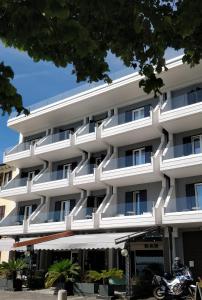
(86, 286)
(103, 277)
(9, 272)
(61, 275)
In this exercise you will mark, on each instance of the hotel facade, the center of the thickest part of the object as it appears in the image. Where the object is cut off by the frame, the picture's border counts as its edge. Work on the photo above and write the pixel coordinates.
(109, 162)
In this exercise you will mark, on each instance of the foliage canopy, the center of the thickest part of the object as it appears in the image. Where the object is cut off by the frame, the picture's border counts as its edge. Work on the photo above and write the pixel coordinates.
(82, 32)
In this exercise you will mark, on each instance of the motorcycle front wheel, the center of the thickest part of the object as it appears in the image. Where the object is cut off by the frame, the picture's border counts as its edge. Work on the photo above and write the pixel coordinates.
(158, 293)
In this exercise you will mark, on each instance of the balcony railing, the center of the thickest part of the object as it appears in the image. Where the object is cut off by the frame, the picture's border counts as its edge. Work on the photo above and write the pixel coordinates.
(57, 137)
(12, 220)
(86, 213)
(121, 118)
(15, 183)
(51, 216)
(183, 100)
(127, 161)
(51, 176)
(183, 204)
(88, 128)
(181, 150)
(18, 148)
(128, 209)
(86, 170)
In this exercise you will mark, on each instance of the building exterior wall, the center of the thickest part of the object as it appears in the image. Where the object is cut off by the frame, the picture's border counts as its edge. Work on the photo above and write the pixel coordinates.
(167, 120)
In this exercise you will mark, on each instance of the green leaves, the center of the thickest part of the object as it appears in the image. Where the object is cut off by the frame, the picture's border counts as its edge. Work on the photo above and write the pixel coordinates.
(9, 97)
(62, 271)
(11, 267)
(104, 275)
(82, 32)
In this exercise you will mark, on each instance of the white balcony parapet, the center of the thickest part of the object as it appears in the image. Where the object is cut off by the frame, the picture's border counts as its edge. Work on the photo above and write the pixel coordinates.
(20, 151)
(16, 186)
(120, 171)
(116, 215)
(53, 142)
(51, 181)
(47, 221)
(117, 129)
(176, 159)
(181, 210)
(179, 114)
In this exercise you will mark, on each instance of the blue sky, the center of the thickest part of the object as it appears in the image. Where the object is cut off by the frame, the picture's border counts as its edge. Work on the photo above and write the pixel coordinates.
(37, 81)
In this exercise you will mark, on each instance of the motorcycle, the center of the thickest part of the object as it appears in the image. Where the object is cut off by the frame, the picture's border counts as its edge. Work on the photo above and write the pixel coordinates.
(181, 286)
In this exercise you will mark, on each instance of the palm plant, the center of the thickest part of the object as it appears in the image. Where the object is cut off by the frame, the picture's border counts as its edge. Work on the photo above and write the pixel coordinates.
(61, 272)
(9, 269)
(104, 275)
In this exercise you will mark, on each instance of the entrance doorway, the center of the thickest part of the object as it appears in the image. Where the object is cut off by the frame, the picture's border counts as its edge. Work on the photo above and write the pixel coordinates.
(192, 245)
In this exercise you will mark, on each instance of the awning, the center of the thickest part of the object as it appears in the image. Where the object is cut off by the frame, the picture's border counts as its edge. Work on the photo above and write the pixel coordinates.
(134, 235)
(84, 241)
(6, 244)
(61, 241)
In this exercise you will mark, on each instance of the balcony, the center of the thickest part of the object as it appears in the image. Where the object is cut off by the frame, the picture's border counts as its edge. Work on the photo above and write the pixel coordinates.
(88, 177)
(126, 215)
(11, 224)
(48, 221)
(182, 113)
(182, 161)
(122, 171)
(182, 210)
(121, 128)
(88, 138)
(20, 155)
(17, 189)
(54, 183)
(56, 145)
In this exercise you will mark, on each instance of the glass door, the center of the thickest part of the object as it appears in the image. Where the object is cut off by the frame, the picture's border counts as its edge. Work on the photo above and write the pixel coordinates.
(198, 189)
(31, 175)
(138, 113)
(98, 161)
(196, 144)
(139, 156)
(136, 201)
(65, 207)
(66, 170)
(28, 212)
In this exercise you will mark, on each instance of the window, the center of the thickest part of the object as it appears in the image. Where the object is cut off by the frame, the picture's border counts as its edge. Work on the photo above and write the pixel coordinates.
(31, 175)
(28, 212)
(1, 179)
(2, 212)
(138, 113)
(139, 156)
(136, 202)
(98, 161)
(66, 170)
(7, 177)
(198, 192)
(196, 144)
(65, 208)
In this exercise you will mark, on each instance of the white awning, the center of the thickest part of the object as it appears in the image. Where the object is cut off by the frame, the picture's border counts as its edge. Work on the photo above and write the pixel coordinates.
(6, 244)
(84, 241)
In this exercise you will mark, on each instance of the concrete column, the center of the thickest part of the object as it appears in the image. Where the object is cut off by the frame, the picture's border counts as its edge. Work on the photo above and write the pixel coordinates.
(20, 138)
(110, 258)
(62, 295)
(166, 251)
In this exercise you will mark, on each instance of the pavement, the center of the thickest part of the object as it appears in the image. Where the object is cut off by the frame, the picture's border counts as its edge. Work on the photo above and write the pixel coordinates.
(40, 295)
(35, 295)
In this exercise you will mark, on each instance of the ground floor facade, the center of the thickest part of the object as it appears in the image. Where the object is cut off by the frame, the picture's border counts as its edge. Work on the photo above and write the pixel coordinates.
(154, 252)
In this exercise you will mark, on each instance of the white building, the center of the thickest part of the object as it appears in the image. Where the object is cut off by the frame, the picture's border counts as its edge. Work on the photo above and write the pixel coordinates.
(112, 159)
